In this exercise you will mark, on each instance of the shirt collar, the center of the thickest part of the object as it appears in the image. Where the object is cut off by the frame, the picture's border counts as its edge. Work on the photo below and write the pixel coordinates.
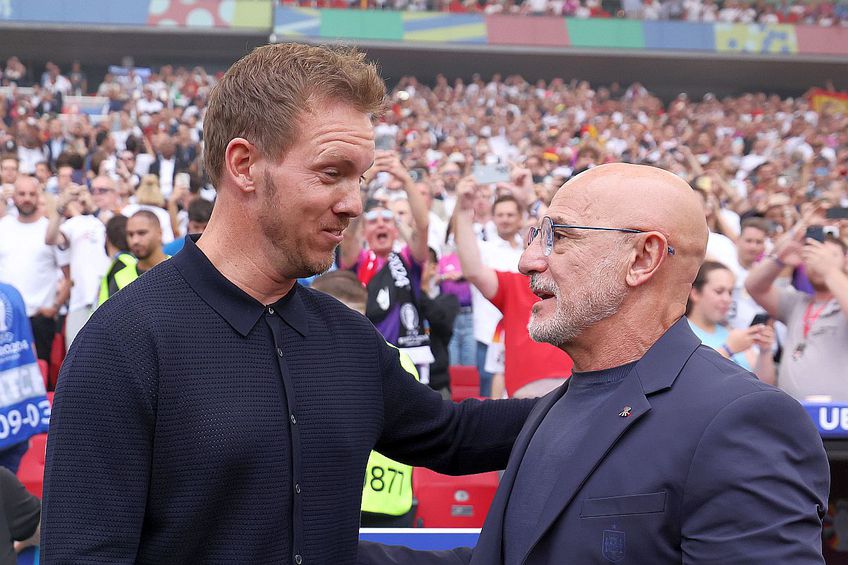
(238, 308)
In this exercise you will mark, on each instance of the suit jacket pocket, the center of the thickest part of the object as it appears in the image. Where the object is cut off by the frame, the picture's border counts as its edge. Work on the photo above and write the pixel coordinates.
(650, 503)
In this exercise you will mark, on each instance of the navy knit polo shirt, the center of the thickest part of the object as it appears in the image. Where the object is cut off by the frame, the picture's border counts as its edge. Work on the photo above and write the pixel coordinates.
(193, 424)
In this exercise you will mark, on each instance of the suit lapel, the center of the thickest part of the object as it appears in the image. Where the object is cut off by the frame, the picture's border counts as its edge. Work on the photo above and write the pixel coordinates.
(610, 423)
(490, 544)
(656, 371)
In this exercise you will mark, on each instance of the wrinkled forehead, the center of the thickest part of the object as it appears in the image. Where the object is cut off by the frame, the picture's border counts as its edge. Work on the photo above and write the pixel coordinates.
(573, 204)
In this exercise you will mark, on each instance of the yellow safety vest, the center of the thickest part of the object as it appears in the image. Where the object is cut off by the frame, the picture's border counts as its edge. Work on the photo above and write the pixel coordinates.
(388, 484)
(122, 278)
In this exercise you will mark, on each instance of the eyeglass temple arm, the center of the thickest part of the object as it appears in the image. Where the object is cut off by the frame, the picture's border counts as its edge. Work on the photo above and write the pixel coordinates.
(671, 250)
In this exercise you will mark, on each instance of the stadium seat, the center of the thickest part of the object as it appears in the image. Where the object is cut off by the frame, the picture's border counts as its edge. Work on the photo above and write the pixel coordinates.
(452, 502)
(464, 382)
(31, 470)
(45, 370)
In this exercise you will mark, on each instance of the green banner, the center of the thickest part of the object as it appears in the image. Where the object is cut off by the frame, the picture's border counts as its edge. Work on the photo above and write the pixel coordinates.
(359, 24)
(606, 33)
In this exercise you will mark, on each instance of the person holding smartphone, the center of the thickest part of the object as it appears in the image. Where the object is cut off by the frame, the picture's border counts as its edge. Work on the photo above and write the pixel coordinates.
(707, 310)
(815, 356)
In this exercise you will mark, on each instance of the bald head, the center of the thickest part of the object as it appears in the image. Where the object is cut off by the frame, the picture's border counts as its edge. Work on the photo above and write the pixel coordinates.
(645, 198)
(26, 198)
(623, 283)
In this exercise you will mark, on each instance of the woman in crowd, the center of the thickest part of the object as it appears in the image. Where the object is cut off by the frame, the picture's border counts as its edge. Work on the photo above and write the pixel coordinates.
(148, 196)
(707, 310)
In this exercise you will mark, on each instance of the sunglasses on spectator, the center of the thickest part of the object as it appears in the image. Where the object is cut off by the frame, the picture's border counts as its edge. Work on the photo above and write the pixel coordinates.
(372, 215)
(101, 190)
(548, 227)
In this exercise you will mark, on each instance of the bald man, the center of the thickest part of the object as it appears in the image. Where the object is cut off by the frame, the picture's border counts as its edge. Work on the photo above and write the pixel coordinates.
(657, 450)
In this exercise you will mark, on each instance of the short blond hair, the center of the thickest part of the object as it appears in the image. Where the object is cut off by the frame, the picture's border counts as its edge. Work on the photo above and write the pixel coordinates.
(263, 95)
(149, 192)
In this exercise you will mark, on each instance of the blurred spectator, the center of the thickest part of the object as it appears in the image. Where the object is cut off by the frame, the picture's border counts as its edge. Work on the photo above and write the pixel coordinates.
(149, 197)
(144, 237)
(78, 79)
(198, 214)
(440, 311)
(57, 143)
(32, 266)
(22, 380)
(707, 310)
(15, 72)
(73, 228)
(20, 519)
(392, 277)
(500, 251)
(815, 356)
(123, 270)
(107, 201)
(148, 103)
(750, 248)
(531, 368)
(462, 346)
(167, 164)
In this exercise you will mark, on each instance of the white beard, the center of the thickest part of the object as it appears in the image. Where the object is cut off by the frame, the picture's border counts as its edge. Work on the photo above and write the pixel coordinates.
(599, 298)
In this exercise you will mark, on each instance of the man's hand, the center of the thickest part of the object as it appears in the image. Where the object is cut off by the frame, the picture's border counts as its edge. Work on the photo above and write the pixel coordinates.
(821, 258)
(764, 338)
(48, 312)
(740, 340)
(788, 248)
(389, 162)
(466, 192)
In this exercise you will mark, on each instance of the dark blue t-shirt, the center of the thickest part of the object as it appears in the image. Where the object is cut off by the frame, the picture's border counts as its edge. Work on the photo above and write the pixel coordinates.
(562, 430)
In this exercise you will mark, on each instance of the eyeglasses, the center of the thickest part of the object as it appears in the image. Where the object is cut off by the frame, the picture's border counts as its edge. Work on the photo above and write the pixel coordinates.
(547, 230)
(372, 215)
(101, 190)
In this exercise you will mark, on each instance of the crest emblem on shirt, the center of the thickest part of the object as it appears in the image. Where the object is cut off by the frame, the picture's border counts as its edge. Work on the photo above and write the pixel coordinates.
(409, 317)
(614, 545)
(383, 298)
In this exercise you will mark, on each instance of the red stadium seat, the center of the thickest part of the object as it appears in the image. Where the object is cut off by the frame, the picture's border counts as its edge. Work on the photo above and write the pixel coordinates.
(464, 382)
(452, 502)
(45, 370)
(31, 471)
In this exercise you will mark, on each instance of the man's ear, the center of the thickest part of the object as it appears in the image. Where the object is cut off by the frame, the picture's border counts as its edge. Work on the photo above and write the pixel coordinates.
(239, 157)
(646, 257)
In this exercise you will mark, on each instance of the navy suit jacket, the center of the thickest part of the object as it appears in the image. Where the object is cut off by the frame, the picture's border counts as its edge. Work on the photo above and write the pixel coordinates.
(708, 466)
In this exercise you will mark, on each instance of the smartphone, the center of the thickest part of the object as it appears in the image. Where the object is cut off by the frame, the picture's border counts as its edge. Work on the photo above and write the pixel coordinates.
(759, 319)
(815, 232)
(385, 142)
(836, 214)
(182, 179)
(490, 174)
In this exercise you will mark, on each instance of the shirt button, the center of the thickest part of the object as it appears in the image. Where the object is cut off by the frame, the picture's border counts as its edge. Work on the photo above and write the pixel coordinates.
(270, 310)
(298, 559)
(293, 419)
(280, 351)
(297, 488)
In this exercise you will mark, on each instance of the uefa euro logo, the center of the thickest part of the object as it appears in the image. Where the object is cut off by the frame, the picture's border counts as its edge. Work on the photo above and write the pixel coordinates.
(613, 546)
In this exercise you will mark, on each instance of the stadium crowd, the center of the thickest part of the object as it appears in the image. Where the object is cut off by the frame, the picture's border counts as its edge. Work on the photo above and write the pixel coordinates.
(815, 12)
(463, 169)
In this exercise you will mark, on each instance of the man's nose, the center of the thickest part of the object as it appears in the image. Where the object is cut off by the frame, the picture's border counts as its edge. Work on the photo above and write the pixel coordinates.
(533, 260)
(351, 203)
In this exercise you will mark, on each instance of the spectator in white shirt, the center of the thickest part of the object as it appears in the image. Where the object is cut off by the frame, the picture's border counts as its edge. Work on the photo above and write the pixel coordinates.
(74, 228)
(148, 103)
(149, 197)
(32, 266)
